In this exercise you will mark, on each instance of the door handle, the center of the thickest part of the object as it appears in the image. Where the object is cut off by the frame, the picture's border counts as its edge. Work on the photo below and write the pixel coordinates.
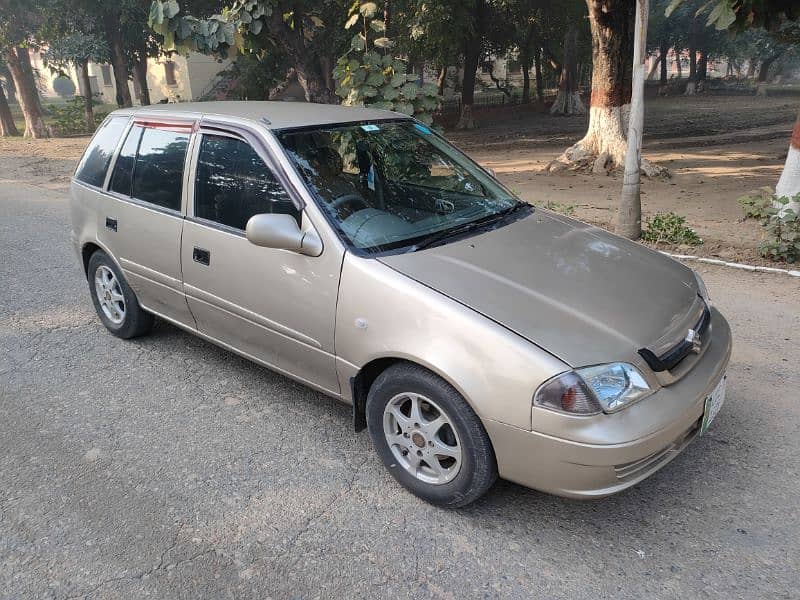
(111, 223)
(201, 256)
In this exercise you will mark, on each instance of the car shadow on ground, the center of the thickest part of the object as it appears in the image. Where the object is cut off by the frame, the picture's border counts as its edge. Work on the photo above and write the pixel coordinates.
(680, 485)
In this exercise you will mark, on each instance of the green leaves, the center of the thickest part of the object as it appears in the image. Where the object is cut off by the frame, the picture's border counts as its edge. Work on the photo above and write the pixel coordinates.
(723, 15)
(368, 9)
(351, 21)
(672, 6)
(170, 9)
(358, 43)
(156, 16)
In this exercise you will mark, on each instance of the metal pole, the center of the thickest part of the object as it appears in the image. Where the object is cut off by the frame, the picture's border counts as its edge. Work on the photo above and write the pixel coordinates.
(629, 216)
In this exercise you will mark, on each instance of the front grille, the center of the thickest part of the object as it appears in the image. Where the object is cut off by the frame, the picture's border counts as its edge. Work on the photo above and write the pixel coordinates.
(674, 355)
(651, 462)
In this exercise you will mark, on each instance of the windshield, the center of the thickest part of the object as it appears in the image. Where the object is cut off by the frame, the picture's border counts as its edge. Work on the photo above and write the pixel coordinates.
(392, 184)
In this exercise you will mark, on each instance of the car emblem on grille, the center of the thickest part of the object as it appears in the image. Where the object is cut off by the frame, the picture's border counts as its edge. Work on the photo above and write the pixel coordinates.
(695, 340)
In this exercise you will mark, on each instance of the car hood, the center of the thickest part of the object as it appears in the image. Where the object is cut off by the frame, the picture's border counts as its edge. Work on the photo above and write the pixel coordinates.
(577, 291)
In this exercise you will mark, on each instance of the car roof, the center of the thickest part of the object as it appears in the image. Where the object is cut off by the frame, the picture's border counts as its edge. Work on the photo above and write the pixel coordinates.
(274, 115)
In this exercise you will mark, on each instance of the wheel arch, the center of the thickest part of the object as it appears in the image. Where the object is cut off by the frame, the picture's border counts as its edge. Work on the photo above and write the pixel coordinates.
(363, 380)
(87, 250)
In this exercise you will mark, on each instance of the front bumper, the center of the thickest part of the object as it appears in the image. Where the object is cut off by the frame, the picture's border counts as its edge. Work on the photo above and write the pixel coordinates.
(579, 469)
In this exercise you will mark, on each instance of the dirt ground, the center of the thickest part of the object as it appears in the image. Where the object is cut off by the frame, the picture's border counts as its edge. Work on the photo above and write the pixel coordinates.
(716, 147)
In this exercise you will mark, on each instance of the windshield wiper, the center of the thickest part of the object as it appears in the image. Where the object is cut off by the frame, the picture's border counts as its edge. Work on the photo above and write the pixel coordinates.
(434, 238)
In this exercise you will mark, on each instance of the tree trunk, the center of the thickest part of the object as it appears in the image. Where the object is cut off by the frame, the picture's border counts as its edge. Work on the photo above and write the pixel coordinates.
(7, 125)
(664, 79)
(119, 62)
(691, 85)
(751, 67)
(611, 23)
(702, 71)
(86, 83)
(629, 216)
(789, 183)
(763, 74)
(313, 84)
(537, 64)
(27, 67)
(525, 63)
(26, 95)
(472, 53)
(140, 72)
(678, 64)
(441, 80)
(654, 67)
(568, 101)
(525, 60)
(11, 90)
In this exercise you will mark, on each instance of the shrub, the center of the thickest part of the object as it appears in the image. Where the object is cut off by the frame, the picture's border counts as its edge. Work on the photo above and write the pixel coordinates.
(670, 228)
(781, 239)
(757, 202)
(782, 231)
(69, 118)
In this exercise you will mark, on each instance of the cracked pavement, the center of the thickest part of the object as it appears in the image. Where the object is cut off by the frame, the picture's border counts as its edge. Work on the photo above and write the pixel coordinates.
(170, 468)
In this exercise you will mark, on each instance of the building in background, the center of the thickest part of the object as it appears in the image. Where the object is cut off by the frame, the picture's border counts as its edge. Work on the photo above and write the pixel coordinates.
(169, 79)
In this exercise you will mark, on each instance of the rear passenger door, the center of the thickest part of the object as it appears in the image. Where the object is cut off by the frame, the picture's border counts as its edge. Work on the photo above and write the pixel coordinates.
(142, 221)
(275, 306)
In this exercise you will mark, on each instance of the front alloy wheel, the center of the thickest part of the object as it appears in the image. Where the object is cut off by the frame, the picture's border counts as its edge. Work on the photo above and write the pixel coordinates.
(422, 438)
(428, 436)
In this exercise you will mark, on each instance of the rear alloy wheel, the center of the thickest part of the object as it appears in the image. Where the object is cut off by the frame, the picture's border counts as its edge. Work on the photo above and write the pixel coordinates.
(109, 294)
(114, 300)
(429, 437)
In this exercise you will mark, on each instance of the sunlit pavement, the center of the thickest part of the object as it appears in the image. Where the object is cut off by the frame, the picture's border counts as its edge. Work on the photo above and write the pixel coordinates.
(168, 467)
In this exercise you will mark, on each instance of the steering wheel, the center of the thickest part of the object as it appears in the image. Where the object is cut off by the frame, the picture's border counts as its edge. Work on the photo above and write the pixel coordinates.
(348, 199)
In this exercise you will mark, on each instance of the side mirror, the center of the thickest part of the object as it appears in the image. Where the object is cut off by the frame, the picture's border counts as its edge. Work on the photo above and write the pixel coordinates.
(282, 232)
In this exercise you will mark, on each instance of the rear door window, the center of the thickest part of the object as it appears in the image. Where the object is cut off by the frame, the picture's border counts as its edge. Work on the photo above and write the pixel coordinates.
(93, 165)
(121, 179)
(158, 168)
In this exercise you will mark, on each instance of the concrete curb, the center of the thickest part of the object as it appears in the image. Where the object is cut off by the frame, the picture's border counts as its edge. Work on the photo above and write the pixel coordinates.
(715, 261)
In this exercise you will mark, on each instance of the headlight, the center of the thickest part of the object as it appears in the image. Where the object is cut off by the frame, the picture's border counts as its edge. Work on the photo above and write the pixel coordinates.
(591, 390)
(702, 289)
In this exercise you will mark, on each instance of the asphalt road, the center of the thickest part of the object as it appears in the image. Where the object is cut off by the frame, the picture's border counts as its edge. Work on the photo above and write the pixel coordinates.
(167, 467)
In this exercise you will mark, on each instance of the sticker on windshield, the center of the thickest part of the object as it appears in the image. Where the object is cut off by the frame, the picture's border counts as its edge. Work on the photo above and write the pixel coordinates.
(422, 129)
(370, 128)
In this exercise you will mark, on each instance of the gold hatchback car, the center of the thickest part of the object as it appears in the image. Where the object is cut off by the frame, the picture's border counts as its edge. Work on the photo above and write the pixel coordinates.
(358, 252)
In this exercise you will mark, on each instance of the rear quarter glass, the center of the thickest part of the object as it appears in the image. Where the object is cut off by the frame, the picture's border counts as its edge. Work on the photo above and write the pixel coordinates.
(92, 168)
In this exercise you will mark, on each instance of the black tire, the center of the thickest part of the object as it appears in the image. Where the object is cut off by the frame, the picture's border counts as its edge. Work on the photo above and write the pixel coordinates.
(478, 470)
(136, 321)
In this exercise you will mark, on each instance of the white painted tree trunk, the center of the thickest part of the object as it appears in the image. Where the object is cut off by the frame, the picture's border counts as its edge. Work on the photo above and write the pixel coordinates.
(789, 183)
(568, 103)
(605, 135)
(629, 216)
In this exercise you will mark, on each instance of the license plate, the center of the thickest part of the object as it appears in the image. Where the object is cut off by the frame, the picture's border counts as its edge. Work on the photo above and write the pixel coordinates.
(713, 404)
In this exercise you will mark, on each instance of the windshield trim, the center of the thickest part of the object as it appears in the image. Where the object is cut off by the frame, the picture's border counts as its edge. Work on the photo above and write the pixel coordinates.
(401, 245)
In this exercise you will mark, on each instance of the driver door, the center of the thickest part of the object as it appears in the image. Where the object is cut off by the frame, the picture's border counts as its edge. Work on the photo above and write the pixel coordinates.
(274, 306)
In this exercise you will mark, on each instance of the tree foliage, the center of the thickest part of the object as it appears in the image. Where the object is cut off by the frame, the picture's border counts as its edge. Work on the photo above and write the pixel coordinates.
(739, 15)
(74, 49)
(369, 74)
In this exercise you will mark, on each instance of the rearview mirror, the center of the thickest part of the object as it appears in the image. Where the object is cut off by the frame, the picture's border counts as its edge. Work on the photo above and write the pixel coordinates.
(282, 232)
